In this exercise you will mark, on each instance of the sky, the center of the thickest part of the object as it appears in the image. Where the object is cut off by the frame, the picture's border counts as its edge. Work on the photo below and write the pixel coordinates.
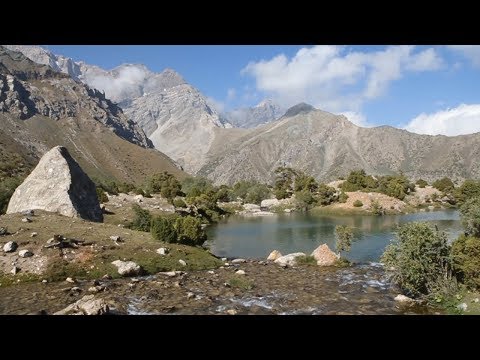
(424, 89)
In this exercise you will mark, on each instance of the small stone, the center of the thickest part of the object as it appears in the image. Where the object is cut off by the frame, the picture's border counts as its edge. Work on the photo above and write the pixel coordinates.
(403, 299)
(224, 259)
(70, 280)
(15, 270)
(3, 231)
(462, 306)
(127, 268)
(25, 253)
(115, 238)
(211, 272)
(274, 255)
(226, 285)
(170, 273)
(44, 281)
(26, 220)
(33, 234)
(226, 264)
(182, 262)
(238, 261)
(476, 300)
(10, 246)
(162, 251)
(28, 213)
(240, 272)
(75, 289)
(190, 295)
(106, 277)
(232, 312)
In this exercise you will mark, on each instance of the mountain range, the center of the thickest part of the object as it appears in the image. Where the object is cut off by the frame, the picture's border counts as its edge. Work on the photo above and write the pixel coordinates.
(247, 144)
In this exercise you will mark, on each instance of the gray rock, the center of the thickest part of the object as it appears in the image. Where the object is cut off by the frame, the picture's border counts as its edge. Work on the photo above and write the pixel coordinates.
(274, 255)
(25, 253)
(238, 261)
(232, 312)
(26, 219)
(190, 295)
(3, 231)
(288, 260)
(58, 184)
(15, 270)
(115, 238)
(462, 306)
(10, 246)
(268, 203)
(28, 213)
(182, 262)
(127, 268)
(162, 251)
(87, 305)
(33, 234)
(251, 207)
(240, 272)
(404, 299)
(70, 280)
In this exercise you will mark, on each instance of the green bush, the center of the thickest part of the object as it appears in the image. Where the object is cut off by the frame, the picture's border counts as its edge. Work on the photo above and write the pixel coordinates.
(376, 208)
(195, 186)
(142, 219)
(343, 197)
(179, 203)
(343, 237)
(357, 203)
(470, 214)
(257, 193)
(102, 197)
(444, 185)
(225, 194)
(468, 190)
(165, 184)
(304, 198)
(125, 187)
(419, 260)
(325, 194)
(281, 193)
(189, 231)
(305, 182)
(163, 228)
(421, 183)
(466, 260)
(7, 188)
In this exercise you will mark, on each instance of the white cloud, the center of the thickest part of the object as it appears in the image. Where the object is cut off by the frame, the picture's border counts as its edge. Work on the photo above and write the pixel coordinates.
(218, 105)
(471, 52)
(464, 119)
(333, 78)
(231, 93)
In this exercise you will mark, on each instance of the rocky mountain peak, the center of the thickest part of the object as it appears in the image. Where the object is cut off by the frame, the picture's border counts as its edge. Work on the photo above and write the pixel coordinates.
(299, 109)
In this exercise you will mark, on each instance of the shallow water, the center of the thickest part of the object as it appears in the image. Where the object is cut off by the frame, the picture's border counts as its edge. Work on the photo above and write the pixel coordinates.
(256, 237)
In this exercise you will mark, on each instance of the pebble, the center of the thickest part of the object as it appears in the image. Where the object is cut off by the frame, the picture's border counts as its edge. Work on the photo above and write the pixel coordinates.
(75, 289)
(115, 238)
(232, 312)
(239, 261)
(211, 272)
(44, 281)
(25, 253)
(240, 272)
(182, 262)
(33, 234)
(190, 295)
(26, 220)
(462, 306)
(15, 270)
(161, 251)
(70, 280)
(10, 246)
(224, 259)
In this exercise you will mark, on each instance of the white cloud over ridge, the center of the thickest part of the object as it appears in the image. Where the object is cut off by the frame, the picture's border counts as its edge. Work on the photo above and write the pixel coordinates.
(471, 52)
(461, 120)
(334, 79)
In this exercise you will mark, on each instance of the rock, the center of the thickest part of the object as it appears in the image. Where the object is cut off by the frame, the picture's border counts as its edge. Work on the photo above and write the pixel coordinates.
(268, 203)
(232, 312)
(58, 184)
(33, 234)
(15, 270)
(325, 256)
(462, 306)
(25, 253)
(162, 251)
(288, 260)
(169, 273)
(288, 210)
(226, 264)
(238, 261)
(70, 280)
(10, 246)
(106, 277)
(75, 289)
(211, 272)
(190, 295)
(404, 299)
(115, 238)
(127, 268)
(28, 213)
(87, 305)
(224, 259)
(26, 220)
(3, 231)
(44, 281)
(96, 289)
(251, 207)
(182, 262)
(240, 272)
(274, 255)
(476, 300)
(138, 198)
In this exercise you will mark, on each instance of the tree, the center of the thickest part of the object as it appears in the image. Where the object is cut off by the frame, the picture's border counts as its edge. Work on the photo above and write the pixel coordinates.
(165, 184)
(163, 228)
(466, 260)
(470, 215)
(343, 197)
(344, 237)
(257, 193)
(325, 194)
(189, 231)
(284, 177)
(142, 219)
(421, 183)
(305, 182)
(357, 203)
(419, 260)
(444, 185)
(468, 190)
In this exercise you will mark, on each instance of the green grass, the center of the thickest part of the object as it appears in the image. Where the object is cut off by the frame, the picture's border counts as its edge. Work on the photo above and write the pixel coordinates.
(240, 282)
(306, 260)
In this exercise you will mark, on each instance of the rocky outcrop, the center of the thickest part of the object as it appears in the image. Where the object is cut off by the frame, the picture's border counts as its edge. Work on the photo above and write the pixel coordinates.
(288, 260)
(274, 255)
(127, 268)
(87, 305)
(325, 256)
(58, 184)
(250, 117)
(10, 246)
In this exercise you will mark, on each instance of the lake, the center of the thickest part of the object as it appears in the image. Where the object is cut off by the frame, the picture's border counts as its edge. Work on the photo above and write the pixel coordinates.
(256, 237)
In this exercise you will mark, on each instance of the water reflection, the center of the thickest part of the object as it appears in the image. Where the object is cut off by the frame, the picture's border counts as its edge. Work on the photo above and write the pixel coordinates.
(255, 237)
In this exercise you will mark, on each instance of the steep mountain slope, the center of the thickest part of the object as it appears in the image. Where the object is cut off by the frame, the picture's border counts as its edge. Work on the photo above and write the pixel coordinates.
(328, 146)
(41, 108)
(250, 117)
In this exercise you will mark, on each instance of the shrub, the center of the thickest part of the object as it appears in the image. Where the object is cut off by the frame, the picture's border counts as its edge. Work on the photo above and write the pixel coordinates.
(304, 198)
(179, 203)
(421, 183)
(102, 197)
(343, 237)
(305, 260)
(325, 194)
(7, 188)
(343, 197)
(419, 259)
(163, 228)
(305, 183)
(444, 185)
(189, 231)
(125, 187)
(281, 193)
(468, 190)
(376, 208)
(195, 186)
(357, 203)
(142, 219)
(257, 193)
(165, 184)
(466, 260)
(225, 194)
(470, 214)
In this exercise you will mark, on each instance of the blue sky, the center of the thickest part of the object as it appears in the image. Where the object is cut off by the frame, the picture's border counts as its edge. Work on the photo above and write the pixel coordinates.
(426, 89)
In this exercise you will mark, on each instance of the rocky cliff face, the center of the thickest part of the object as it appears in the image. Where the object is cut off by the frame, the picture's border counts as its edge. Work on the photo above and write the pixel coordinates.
(57, 184)
(41, 108)
(328, 146)
(263, 113)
